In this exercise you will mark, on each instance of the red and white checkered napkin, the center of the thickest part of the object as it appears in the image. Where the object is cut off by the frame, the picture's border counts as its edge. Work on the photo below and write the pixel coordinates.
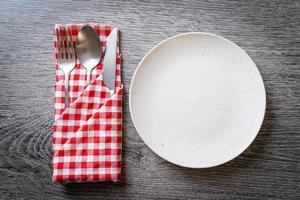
(87, 138)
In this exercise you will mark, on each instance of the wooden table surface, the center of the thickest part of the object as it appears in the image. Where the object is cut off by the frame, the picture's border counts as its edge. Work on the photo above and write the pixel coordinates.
(269, 31)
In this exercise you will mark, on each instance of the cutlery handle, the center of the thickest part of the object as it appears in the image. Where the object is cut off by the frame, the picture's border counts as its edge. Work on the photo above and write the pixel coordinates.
(88, 77)
(66, 90)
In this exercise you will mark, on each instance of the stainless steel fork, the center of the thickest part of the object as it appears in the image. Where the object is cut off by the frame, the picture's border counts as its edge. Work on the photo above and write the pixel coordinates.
(66, 57)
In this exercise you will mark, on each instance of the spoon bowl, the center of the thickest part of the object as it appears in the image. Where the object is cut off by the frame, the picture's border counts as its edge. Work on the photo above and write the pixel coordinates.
(88, 49)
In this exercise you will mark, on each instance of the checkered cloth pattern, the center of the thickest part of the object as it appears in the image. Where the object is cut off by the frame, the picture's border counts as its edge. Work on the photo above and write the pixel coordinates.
(87, 136)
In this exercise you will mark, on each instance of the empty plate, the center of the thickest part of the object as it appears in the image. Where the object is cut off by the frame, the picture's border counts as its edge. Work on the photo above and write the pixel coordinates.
(197, 100)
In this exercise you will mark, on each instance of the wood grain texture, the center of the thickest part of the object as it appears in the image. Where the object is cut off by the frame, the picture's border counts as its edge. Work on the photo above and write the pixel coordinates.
(269, 31)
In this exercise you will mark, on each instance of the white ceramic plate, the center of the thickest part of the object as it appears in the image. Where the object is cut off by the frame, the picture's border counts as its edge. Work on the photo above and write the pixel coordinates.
(197, 100)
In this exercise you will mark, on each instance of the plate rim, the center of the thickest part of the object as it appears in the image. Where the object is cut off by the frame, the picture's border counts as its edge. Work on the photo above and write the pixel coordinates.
(203, 34)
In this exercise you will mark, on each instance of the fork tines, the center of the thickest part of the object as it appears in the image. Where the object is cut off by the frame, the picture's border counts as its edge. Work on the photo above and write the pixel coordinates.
(65, 44)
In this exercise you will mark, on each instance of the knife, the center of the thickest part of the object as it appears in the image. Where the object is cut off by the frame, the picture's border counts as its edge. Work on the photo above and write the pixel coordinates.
(109, 66)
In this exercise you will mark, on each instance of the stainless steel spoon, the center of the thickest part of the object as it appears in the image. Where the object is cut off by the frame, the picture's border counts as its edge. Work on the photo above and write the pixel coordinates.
(88, 50)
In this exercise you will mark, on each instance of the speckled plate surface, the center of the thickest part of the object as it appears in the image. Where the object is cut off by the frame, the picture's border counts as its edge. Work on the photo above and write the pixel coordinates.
(197, 100)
